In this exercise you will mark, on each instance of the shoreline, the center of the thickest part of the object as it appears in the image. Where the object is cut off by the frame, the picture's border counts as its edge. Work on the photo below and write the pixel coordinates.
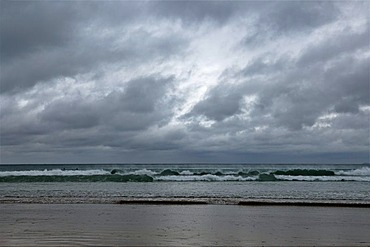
(185, 201)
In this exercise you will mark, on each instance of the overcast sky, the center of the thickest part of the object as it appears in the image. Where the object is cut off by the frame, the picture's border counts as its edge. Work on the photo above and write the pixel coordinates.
(173, 81)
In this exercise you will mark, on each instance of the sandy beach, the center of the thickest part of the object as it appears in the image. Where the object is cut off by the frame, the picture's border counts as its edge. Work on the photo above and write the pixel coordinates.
(181, 225)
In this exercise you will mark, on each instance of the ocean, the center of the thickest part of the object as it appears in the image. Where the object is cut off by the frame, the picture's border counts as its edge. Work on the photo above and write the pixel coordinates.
(210, 183)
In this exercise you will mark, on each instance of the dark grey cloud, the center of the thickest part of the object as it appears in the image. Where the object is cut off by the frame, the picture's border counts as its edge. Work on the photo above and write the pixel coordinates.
(65, 114)
(349, 121)
(260, 67)
(184, 81)
(306, 89)
(82, 58)
(30, 26)
(283, 18)
(299, 16)
(221, 102)
(141, 104)
(51, 40)
(335, 46)
(197, 11)
(294, 96)
(295, 103)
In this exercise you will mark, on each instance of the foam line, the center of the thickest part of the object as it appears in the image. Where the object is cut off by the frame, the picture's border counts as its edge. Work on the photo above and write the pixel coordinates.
(304, 204)
(163, 202)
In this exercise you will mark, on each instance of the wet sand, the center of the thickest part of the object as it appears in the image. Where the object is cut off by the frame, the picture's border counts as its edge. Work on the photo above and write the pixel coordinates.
(182, 225)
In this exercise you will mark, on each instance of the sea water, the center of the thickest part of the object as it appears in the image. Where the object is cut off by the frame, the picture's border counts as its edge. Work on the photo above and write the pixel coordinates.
(214, 183)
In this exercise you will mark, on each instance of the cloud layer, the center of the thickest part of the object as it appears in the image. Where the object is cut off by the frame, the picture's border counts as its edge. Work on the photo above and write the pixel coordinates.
(184, 81)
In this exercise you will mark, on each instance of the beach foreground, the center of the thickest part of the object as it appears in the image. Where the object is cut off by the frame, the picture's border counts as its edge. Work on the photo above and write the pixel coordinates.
(181, 225)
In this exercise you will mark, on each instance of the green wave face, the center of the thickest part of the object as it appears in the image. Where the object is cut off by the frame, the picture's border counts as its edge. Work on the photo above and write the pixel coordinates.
(305, 172)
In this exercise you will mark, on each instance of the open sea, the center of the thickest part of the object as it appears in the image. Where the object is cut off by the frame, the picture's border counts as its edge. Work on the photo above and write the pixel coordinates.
(211, 183)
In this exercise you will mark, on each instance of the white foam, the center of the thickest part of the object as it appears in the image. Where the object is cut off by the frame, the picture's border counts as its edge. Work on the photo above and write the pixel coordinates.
(207, 177)
(186, 173)
(53, 172)
(363, 171)
(322, 178)
(142, 172)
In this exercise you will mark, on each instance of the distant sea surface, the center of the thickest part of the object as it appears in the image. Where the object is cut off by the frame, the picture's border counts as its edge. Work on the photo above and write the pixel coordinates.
(212, 183)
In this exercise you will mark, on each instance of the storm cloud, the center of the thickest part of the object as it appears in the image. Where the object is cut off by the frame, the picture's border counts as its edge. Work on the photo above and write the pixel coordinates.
(184, 81)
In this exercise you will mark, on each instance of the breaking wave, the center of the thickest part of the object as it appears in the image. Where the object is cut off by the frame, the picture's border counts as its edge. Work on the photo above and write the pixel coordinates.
(184, 175)
(54, 172)
(78, 178)
(363, 171)
(208, 177)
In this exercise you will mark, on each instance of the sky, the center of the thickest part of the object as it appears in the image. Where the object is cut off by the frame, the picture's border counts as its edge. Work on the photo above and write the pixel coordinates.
(184, 81)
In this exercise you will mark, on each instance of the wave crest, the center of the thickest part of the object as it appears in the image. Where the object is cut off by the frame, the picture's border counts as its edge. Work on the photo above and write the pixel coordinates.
(363, 171)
